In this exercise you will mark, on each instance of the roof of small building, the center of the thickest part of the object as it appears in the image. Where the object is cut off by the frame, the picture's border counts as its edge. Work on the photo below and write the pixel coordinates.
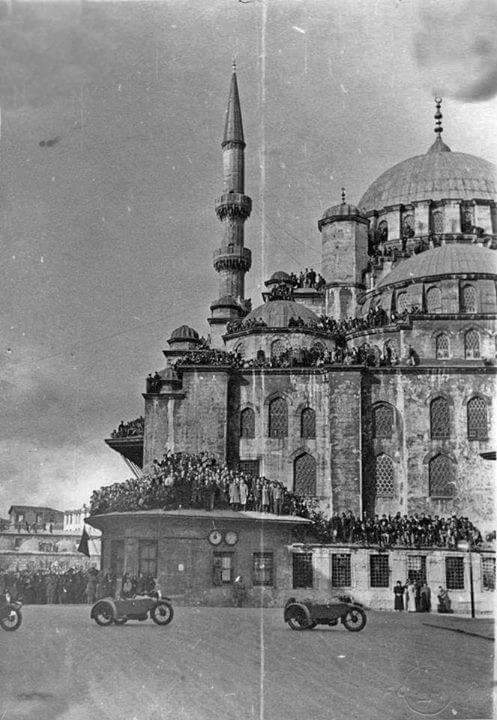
(277, 313)
(436, 175)
(95, 520)
(185, 332)
(453, 259)
(34, 508)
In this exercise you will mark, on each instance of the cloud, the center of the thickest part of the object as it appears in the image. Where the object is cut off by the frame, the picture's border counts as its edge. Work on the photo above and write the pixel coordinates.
(455, 47)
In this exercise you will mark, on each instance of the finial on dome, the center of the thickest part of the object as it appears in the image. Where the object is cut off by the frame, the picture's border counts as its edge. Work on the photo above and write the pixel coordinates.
(233, 63)
(438, 116)
(343, 196)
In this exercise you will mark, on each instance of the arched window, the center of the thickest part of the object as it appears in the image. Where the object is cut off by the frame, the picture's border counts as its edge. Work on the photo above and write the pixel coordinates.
(441, 346)
(304, 475)
(383, 231)
(401, 302)
(437, 222)
(441, 477)
(477, 419)
(308, 423)
(261, 356)
(247, 423)
(439, 418)
(472, 344)
(277, 348)
(278, 418)
(383, 421)
(240, 349)
(345, 303)
(467, 221)
(468, 299)
(384, 476)
(407, 225)
(434, 300)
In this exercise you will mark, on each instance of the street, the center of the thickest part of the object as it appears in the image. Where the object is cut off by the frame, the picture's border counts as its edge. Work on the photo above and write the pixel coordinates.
(213, 663)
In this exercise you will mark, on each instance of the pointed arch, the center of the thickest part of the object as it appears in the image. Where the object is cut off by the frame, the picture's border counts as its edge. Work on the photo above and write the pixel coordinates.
(308, 423)
(278, 418)
(247, 423)
(442, 346)
(472, 344)
(439, 418)
(441, 477)
(468, 299)
(477, 418)
(383, 420)
(434, 300)
(304, 475)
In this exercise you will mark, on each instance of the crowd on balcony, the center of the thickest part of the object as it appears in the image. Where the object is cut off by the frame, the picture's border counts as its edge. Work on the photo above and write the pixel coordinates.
(414, 531)
(132, 428)
(184, 480)
(307, 278)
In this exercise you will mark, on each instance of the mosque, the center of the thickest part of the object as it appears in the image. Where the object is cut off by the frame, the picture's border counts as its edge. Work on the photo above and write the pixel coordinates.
(372, 390)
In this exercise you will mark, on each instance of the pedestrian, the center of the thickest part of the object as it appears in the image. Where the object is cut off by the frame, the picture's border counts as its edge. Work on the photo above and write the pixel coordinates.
(411, 596)
(399, 590)
(425, 598)
(239, 591)
(444, 604)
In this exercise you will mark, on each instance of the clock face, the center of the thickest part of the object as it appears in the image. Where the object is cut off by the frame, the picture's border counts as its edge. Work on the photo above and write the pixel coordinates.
(231, 537)
(215, 537)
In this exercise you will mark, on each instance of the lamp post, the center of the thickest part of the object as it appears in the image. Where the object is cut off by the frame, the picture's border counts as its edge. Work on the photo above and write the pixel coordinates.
(466, 545)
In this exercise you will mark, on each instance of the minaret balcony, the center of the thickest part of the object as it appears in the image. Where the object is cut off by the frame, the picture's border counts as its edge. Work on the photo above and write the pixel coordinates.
(232, 258)
(233, 204)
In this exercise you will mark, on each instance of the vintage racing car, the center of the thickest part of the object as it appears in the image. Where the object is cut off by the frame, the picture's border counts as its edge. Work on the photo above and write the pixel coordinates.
(306, 614)
(108, 611)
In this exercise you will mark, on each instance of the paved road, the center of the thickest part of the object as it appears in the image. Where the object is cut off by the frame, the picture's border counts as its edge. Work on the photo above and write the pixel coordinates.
(227, 664)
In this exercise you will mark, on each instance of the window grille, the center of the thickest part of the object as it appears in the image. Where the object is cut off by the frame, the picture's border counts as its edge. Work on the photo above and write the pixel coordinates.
(467, 221)
(437, 222)
(380, 572)
(441, 477)
(304, 474)
(416, 568)
(454, 573)
(340, 570)
(302, 570)
(308, 423)
(222, 568)
(277, 348)
(442, 346)
(383, 421)
(117, 557)
(488, 573)
(434, 300)
(407, 225)
(278, 418)
(147, 557)
(472, 344)
(468, 299)
(383, 231)
(262, 569)
(345, 303)
(247, 423)
(384, 476)
(402, 303)
(477, 419)
(439, 418)
(251, 467)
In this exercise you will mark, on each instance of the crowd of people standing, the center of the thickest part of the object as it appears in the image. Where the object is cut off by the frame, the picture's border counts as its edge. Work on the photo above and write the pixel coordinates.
(48, 586)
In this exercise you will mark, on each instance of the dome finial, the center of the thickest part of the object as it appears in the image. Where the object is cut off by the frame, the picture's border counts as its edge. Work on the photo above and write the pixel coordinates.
(343, 196)
(233, 62)
(438, 116)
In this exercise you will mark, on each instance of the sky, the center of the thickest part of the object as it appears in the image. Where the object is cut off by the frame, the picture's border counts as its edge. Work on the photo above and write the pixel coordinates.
(110, 162)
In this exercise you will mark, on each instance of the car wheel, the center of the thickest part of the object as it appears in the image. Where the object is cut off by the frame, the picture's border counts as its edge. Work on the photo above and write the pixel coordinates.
(355, 619)
(12, 621)
(103, 614)
(162, 613)
(298, 620)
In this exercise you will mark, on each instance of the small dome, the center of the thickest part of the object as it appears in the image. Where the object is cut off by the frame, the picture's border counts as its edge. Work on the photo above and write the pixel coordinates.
(279, 276)
(453, 259)
(184, 333)
(277, 314)
(439, 174)
(344, 210)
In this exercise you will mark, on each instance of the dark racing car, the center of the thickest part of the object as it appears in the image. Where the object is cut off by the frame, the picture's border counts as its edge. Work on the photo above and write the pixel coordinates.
(306, 614)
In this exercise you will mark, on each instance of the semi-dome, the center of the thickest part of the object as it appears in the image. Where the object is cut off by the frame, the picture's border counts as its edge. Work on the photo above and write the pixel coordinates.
(437, 175)
(278, 313)
(452, 259)
(185, 332)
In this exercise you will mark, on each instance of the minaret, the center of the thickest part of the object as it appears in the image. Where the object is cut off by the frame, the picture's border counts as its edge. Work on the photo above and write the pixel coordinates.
(232, 259)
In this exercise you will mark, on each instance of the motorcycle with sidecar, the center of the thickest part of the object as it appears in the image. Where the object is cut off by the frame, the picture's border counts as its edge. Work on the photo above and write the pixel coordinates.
(10, 612)
(306, 614)
(108, 610)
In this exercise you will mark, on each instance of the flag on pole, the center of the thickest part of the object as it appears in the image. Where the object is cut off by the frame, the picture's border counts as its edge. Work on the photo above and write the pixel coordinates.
(83, 543)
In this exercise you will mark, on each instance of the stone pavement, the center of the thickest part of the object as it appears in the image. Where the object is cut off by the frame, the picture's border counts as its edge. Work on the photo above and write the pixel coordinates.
(241, 664)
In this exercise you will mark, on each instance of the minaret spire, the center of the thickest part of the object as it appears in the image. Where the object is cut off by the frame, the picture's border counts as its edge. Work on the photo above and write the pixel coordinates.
(232, 260)
(438, 145)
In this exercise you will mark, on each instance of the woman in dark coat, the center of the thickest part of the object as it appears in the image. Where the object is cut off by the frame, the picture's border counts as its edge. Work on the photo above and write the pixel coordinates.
(399, 590)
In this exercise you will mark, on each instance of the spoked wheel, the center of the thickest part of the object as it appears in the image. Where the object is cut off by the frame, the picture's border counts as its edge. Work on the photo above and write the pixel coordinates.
(121, 621)
(298, 621)
(355, 619)
(162, 613)
(103, 614)
(12, 621)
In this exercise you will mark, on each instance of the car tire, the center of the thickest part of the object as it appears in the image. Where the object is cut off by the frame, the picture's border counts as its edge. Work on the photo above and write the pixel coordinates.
(103, 614)
(13, 621)
(162, 613)
(354, 619)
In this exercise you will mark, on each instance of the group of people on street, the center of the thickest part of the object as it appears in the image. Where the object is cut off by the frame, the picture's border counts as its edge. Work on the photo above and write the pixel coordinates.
(186, 480)
(415, 596)
(38, 586)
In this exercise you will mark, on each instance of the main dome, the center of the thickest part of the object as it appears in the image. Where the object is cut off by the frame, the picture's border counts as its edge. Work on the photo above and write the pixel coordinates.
(453, 259)
(437, 175)
(278, 313)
